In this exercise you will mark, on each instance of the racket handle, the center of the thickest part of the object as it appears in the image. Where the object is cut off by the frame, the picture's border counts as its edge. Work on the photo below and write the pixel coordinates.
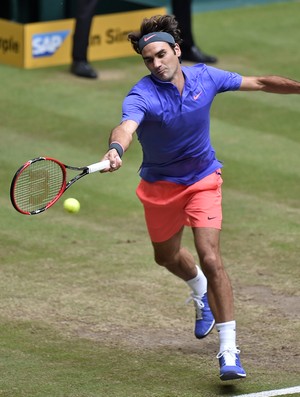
(98, 166)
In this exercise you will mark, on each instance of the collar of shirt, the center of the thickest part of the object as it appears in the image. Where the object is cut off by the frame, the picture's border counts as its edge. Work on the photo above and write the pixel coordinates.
(191, 80)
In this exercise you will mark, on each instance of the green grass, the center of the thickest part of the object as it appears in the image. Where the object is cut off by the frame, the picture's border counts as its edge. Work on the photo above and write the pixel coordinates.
(84, 310)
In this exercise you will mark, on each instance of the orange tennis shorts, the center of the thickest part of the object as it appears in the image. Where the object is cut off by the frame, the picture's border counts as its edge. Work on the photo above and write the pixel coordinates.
(169, 206)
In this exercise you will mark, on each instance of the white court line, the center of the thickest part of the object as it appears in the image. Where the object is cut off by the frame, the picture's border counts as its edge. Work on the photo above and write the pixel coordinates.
(271, 393)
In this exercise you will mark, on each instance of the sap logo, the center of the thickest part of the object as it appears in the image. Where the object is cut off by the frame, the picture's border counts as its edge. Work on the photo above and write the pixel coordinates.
(46, 44)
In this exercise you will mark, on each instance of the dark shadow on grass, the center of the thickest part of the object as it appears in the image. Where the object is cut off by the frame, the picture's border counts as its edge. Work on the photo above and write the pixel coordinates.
(226, 389)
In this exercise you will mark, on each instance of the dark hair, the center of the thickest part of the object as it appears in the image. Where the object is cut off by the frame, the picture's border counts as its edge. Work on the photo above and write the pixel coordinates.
(157, 23)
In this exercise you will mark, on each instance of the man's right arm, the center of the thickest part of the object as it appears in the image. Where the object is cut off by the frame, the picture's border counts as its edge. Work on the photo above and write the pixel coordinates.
(121, 138)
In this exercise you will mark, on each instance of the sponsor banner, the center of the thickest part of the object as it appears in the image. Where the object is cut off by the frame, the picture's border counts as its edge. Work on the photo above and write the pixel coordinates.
(109, 33)
(48, 43)
(11, 43)
(44, 44)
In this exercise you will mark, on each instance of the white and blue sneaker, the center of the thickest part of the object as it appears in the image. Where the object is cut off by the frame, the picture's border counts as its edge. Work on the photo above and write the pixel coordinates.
(230, 365)
(204, 318)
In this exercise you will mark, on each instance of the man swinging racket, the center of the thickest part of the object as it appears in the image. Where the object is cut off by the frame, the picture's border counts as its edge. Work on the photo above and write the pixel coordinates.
(180, 174)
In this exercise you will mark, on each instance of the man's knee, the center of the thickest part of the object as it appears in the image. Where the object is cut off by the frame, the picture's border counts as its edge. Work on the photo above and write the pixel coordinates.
(212, 265)
(167, 259)
(161, 260)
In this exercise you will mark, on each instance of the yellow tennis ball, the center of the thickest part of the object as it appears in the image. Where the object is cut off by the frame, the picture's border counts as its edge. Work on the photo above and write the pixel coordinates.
(72, 205)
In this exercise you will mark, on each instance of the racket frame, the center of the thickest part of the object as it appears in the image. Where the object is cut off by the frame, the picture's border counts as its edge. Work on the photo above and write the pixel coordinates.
(85, 170)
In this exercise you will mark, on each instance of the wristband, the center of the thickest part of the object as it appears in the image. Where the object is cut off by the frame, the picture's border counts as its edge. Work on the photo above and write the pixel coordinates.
(118, 147)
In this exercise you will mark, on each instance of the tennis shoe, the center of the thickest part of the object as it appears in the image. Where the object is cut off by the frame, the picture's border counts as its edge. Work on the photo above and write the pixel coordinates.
(204, 318)
(230, 365)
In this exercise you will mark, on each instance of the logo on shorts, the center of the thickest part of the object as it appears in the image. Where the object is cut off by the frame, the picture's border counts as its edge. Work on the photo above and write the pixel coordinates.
(211, 217)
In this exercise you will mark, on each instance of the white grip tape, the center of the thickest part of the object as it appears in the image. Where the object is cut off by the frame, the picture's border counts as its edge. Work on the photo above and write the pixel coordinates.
(98, 166)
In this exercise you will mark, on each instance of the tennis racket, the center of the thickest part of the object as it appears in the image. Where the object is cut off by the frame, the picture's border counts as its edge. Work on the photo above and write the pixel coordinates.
(40, 182)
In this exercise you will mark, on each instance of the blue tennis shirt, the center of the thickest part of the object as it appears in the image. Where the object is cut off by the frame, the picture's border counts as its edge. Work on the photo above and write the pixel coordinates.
(174, 129)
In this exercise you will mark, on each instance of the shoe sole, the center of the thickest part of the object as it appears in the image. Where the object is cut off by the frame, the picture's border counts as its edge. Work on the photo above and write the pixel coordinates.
(232, 376)
(207, 332)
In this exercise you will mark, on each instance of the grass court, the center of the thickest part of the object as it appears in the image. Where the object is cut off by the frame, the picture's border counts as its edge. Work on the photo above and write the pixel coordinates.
(84, 310)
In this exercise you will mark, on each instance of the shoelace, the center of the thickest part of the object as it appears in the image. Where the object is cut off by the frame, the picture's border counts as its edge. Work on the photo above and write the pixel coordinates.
(231, 352)
(199, 305)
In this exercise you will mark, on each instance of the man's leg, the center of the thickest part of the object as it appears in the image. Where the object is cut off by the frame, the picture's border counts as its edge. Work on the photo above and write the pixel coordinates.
(180, 262)
(182, 9)
(84, 16)
(177, 260)
(207, 242)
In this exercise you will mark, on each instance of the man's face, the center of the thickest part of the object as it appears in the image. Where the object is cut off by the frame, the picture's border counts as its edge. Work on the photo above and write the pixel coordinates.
(162, 60)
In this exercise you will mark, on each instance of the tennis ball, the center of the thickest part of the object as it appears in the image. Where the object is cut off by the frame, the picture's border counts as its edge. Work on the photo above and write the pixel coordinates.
(72, 205)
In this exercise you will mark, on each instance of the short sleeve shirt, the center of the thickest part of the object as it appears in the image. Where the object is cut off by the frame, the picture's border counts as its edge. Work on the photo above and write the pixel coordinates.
(174, 129)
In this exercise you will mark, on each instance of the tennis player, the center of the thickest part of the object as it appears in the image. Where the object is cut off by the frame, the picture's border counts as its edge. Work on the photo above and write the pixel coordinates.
(180, 175)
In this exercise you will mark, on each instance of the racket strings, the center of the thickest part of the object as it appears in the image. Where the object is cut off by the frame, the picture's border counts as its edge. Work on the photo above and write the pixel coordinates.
(38, 185)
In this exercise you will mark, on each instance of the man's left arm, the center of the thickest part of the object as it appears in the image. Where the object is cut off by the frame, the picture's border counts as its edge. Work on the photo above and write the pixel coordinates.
(272, 84)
